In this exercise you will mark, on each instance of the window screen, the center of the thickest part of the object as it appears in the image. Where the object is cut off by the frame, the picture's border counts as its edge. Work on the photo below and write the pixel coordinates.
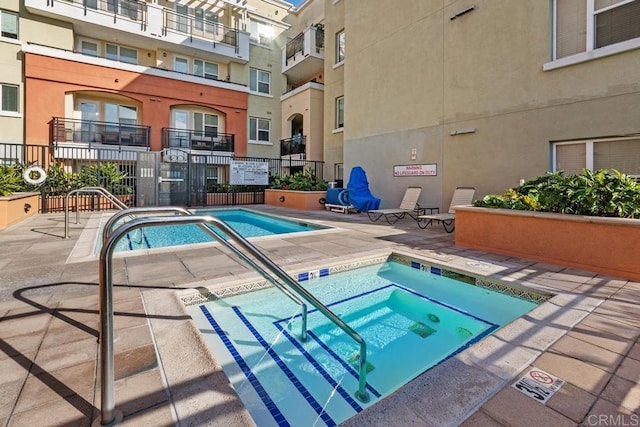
(571, 27)
(571, 158)
(618, 24)
(621, 155)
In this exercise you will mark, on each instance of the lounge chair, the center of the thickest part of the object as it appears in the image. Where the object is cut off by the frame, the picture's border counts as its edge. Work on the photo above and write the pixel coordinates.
(408, 205)
(462, 196)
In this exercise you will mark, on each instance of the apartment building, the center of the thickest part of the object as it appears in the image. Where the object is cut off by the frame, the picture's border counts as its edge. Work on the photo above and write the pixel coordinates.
(436, 94)
(484, 93)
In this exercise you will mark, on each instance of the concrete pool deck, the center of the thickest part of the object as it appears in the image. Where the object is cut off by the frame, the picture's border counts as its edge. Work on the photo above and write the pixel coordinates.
(587, 335)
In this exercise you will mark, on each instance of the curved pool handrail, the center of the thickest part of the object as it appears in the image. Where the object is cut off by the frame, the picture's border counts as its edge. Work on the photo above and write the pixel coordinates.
(98, 190)
(108, 412)
(132, 212)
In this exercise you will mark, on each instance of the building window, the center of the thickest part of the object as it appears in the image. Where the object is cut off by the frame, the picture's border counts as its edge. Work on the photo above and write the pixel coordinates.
(259, 81)
(584, 26)
(89, 48)
(259, 130)
(205, 124)
(121, 53)
(205, 69)
(9, 98)
(9, 24)
(620, 154)
(181, 65)
(182, 18)
(340, 47)
(206, 21)
(261, 33)
(340, 112)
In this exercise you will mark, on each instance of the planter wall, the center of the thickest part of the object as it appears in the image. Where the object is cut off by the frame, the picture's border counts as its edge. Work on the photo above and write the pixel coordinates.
(17, 207)
(305, 200)
(603, 245)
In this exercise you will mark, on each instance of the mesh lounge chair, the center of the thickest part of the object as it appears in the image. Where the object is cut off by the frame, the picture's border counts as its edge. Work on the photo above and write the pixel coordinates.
(409, 205)
(462, 196)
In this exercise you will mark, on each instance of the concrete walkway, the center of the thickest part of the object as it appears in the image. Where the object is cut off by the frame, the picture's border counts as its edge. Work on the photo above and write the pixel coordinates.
(587, 335)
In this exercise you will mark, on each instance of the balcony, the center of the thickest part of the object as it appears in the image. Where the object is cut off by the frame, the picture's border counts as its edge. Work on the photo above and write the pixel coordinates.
(148, 25)
(198, 141)
(93, 133)
(293, 148)
(303, 57)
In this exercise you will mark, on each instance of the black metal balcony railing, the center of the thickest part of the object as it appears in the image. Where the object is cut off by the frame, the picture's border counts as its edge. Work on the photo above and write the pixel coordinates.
(133, 10)
(93, 132)
(295, 145)
(198, 27)
(296, 45)
(197, 140)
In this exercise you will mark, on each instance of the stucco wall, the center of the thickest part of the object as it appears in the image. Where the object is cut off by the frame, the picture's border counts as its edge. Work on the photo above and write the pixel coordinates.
(422, 71)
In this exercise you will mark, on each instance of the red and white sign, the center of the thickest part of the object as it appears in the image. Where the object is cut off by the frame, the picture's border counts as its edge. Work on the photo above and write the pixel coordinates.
(415, 170)
(538, 385)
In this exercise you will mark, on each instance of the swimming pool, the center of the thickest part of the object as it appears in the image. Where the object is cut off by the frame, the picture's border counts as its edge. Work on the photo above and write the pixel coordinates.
(412, 318)
(246, 222)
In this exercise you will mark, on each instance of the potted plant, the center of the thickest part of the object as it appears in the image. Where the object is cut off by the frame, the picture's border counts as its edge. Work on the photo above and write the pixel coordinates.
(589, 221)
(302, 190)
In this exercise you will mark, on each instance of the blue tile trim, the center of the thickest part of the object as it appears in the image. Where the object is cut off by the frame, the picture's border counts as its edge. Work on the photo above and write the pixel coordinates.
(303, 276)
(296, 382)
(344, 364)
(415, 265)
(341, 391)
(324, 272)
(436, 271)
(264, 396)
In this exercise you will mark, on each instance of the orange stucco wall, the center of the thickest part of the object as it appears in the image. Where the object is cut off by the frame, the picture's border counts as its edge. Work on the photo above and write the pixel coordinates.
(603, 245)
(305, 200)
(47, 80)
(17, 207)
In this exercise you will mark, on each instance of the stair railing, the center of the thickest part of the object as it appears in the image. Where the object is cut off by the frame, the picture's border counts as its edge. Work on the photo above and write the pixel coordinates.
(108, 413)
(96, 190)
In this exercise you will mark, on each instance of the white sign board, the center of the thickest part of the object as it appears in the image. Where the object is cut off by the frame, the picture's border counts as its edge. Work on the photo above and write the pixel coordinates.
(415, 170)
(538, 385)
(248, 173)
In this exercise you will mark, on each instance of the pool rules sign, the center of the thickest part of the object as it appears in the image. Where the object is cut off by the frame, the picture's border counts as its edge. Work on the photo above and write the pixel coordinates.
(538, 385)
(248, 173)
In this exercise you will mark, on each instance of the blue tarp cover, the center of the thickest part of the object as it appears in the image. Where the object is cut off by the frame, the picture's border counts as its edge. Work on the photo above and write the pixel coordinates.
(359, 194)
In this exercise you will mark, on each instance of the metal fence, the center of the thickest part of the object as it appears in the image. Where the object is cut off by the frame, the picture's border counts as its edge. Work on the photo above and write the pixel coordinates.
(140, 177)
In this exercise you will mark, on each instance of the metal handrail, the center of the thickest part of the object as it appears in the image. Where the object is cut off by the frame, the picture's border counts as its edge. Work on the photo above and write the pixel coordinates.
(109, 225)
(98, 190)
(107, 410)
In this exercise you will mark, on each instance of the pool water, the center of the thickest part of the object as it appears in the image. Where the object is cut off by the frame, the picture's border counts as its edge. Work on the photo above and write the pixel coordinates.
(246, 222)
(411, 320)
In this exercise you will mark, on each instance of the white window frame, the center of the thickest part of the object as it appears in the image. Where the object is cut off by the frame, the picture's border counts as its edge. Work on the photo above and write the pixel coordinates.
(256, 140)
(255, 89)
(206, 128)
(17, 17)
(339, 100)
(10, 112)
(97, 43)
(340, 35)
(119, 55)
(180, 58)
(215, 76)
(590, 52)
(261, 32)
(589, 144)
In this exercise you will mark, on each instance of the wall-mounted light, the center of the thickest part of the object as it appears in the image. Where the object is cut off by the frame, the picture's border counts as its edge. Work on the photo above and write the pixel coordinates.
(116, 80)
(414, 153)
(164, 54)
(463, 131)
(463, 12)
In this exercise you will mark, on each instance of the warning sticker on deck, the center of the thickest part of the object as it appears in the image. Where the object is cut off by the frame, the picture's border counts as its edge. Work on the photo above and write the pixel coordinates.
(538, 385)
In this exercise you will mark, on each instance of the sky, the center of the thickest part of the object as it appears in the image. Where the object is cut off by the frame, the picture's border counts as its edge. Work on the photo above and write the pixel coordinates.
(295, 2)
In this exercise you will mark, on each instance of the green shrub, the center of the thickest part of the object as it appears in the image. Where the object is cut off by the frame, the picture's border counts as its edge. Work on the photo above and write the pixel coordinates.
(301, 181)
(605, 192)
(11, 180)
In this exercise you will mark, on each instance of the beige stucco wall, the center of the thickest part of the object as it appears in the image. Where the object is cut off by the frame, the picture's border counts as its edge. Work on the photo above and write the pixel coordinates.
(333, 87)
(307, 100)
(421, 76)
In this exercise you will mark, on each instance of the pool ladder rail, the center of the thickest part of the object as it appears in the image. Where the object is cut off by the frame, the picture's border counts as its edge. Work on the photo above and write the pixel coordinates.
(108, 413)
(94, 190)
